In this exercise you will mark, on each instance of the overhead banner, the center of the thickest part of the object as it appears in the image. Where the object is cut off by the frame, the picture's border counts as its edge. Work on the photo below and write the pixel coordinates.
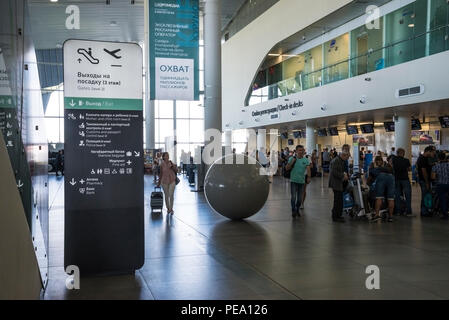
(103, 130)
(174, 49)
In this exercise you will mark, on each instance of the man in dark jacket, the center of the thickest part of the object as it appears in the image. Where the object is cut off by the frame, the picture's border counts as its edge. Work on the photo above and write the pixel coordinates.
(336, 177)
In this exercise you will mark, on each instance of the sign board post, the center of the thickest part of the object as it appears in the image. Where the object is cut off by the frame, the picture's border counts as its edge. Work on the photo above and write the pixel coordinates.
(103, 130)
(174, 49)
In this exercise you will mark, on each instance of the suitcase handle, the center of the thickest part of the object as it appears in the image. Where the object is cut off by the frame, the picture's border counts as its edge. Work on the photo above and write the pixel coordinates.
(155, 188)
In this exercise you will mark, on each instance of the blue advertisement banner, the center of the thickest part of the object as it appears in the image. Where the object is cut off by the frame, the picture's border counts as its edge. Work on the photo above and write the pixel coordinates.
(174, 49)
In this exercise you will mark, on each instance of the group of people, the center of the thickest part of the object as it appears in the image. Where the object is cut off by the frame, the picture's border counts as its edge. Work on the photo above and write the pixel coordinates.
(390, 184)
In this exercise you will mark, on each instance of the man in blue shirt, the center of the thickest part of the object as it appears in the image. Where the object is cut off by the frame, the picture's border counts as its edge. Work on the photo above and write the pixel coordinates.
(298, 165)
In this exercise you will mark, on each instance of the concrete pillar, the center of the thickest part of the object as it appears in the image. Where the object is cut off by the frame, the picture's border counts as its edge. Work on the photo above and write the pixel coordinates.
(228, 139)
(148, 104)
(402, 133)
(149, 124)
(261, 139)
(212, 65)
(310, 138)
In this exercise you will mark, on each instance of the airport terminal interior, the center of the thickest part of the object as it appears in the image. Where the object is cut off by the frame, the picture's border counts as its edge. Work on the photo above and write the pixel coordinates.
(224, 149)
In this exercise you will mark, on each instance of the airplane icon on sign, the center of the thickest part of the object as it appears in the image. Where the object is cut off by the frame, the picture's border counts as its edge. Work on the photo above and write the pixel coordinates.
(113, 53)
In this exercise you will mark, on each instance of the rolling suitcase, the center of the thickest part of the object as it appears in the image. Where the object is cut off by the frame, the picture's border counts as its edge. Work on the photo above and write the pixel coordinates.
(157, 200)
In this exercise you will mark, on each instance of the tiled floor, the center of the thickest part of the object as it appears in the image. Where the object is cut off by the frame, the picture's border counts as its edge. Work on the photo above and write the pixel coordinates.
(198, 254)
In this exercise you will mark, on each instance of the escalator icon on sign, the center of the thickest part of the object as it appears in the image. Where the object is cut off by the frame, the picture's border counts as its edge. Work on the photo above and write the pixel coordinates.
(88, 55)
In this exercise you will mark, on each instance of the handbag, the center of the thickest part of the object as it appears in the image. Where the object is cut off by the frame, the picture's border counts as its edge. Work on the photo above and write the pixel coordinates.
(177, 180)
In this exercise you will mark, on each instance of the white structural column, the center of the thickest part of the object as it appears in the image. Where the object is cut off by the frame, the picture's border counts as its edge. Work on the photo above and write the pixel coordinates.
(212, 65)
(310, 138)
(149, 124)
(261, 139)
(402, 133)
(148, 104)
(228, 139)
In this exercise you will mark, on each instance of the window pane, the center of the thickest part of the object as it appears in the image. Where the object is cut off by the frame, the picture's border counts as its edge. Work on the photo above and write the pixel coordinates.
(55, 105)
(156, 131)
(201, 79)
(197, 131)
(61, 130)
(182, 131)
(197, 108)
(52, 127)
(165, 108)
(165, 129)
(182, 109)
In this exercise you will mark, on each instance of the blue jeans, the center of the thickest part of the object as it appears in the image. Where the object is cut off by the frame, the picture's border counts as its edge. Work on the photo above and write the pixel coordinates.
(296, 190)
(424, 190)
(403, 187)
(443, 190)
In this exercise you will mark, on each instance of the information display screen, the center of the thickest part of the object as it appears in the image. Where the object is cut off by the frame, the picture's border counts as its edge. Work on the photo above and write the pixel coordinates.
(444, 121)
(322, 132)
(389, 126)
(352, 130)
(416, 124)
(333, 131)
(367, 128)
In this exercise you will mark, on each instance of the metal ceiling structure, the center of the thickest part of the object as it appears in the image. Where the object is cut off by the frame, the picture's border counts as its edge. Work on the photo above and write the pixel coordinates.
(120, 20)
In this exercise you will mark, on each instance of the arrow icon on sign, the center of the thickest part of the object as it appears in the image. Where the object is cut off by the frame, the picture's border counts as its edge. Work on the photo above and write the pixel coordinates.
(20, 184)
(73, 182)
(136, 154)
(72, 103)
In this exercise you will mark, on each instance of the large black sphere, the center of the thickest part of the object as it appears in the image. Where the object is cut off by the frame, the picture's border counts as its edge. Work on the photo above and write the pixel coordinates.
(236, 191)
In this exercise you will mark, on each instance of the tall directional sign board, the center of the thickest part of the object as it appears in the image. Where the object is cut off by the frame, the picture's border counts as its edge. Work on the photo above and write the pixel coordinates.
(104, 200)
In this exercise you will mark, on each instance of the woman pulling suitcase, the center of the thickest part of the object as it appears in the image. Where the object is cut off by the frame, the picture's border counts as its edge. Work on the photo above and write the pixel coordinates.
(167, 178)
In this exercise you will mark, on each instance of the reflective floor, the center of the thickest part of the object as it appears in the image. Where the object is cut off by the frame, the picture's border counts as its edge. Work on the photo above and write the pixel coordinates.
(197, 254)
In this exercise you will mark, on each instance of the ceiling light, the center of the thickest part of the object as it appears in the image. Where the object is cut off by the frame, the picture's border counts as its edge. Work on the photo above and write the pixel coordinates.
(274, 54)
(54, 0)
(289, 55)
(411, 25)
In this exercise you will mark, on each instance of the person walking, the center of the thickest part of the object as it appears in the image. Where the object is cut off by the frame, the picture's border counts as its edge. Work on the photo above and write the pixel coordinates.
(401, 167)
(440, 173)
(424, 176)
(167, 177)
(298, 165)
(337, 176)
(60, 162)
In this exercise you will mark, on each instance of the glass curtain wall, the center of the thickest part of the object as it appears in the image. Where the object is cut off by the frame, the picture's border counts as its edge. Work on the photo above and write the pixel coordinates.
(416, 30)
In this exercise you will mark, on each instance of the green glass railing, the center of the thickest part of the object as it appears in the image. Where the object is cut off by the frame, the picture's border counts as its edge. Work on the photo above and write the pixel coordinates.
(416, 47)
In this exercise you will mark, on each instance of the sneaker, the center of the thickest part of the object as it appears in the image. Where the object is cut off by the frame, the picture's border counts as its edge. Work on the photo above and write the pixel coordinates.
(375, 218)
(390, 219)
(294, 214)
(302, 206)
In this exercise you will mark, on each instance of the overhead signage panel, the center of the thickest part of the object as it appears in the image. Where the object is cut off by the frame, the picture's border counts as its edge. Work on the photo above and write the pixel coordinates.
(174, 49)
